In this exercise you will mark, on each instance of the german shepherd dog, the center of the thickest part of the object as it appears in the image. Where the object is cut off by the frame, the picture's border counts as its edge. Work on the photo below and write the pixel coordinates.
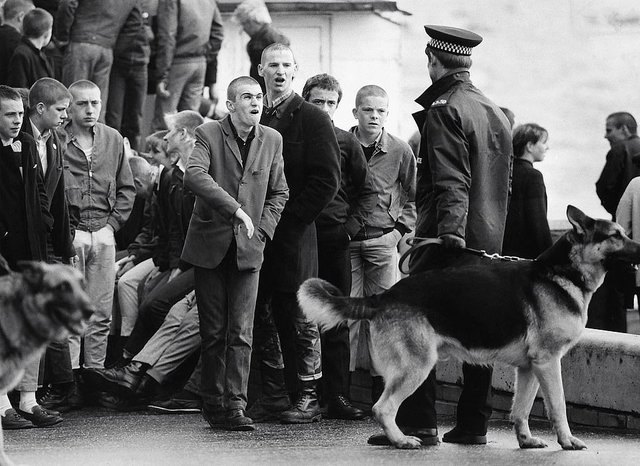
(44, 302)
(524, 313)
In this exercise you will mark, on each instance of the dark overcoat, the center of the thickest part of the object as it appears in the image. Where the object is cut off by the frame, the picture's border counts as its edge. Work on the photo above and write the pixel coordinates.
(24, 228)
(54, 186)
(527, 231)
(312, 168)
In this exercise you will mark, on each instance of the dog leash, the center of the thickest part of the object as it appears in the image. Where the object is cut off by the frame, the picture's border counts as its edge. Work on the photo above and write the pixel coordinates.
(418, 242)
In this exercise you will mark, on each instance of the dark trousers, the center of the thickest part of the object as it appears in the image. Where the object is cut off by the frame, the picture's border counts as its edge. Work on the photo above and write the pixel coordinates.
(334, 266)
(57, 363)
(155, 307)
(127, 92)
(226, 301)
(607, 308)
(474, 405)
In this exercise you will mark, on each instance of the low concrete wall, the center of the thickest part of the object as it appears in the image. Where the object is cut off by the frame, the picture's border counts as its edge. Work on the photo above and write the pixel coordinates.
(601, 376)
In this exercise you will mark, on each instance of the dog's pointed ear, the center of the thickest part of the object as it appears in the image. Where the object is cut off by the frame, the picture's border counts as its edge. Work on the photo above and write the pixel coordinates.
(31, 271)
(579, 220)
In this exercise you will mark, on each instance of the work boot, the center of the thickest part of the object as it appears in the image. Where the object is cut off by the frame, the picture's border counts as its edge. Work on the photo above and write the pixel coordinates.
(274, 400)
(340, 407)
(306, 409)
(237, 421)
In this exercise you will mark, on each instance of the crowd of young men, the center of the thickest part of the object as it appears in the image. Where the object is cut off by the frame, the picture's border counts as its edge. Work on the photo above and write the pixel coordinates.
(236, 214)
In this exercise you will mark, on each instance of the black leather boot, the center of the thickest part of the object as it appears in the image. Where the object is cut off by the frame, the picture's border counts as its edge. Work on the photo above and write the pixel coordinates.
(274, 399)
(306, 408)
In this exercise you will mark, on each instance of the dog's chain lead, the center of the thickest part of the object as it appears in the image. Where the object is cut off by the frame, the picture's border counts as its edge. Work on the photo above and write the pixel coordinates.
(418, 242)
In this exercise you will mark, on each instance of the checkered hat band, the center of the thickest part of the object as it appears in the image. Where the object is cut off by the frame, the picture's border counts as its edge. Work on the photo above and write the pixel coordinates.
(449, 47)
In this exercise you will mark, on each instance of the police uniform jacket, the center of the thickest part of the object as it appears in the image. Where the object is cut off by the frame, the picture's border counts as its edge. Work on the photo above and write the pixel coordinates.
(465, 137)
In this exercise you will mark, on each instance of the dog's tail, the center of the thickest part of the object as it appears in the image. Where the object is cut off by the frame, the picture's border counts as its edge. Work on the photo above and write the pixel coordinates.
(324, 305)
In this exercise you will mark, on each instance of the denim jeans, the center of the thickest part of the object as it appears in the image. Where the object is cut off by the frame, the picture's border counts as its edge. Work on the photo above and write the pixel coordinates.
(226, 302)
(127, 93)
(29, 382)
(88, 61)
(185, 85)
(374, 269)
(97, 254)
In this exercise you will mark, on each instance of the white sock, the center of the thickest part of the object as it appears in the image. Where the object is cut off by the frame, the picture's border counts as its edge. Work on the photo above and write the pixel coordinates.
(28, 401)
(5, 404)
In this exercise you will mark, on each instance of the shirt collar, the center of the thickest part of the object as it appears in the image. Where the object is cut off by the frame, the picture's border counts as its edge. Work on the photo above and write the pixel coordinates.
(279, 105)
(37, 135)
(180, 165)
(235, 132)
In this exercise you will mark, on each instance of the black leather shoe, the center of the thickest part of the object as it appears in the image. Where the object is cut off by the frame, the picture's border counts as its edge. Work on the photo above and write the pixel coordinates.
(428, 437)
(458, 435)
(40, 417)
(237, 421)
(340, 407)
(55, 398)
(126, 378)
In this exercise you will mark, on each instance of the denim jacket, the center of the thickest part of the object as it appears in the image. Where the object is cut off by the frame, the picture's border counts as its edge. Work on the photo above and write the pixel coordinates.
(103, 185)
(393, 173)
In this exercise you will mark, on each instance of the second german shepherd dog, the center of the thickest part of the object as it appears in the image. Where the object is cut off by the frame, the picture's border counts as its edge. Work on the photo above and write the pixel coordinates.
(44, 302)
(524, 313)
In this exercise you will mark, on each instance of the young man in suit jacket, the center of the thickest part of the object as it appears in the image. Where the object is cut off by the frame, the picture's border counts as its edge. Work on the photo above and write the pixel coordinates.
(48, 103)
(236, 172)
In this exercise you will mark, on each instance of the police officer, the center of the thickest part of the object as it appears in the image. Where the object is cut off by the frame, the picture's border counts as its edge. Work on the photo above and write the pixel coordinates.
(464, 167)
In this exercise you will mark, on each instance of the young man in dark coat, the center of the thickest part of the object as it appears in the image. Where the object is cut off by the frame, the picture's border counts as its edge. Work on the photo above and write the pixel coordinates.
(48, 103)
(464, 169)
(312, 168)
(29, 62)
(11, 32)
(336, 225)
(25, 223)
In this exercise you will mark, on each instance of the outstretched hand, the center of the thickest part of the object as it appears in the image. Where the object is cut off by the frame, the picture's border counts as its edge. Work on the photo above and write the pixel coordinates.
(246, 220)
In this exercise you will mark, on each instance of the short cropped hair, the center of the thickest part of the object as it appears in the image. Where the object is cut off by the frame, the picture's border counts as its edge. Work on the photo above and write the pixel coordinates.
(232, 90)
(48, 91)
(155, 141)
(620, 119)
(323, 81)
(525, 134)
(187, 119)
(449, 60)
(36, 23)
(370, 90)
(8, 93)
(278, 47)
(82, 85)
(12, 8)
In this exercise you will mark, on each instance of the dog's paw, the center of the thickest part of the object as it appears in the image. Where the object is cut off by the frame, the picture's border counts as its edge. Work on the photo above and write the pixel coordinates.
(408, 443)
(531, 442)
(572, 443)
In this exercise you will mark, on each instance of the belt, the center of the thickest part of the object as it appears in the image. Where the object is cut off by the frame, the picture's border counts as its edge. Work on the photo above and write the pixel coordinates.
(367, 232)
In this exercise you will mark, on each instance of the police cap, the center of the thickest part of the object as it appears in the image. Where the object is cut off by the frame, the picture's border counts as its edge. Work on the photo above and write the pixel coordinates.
(452, 40)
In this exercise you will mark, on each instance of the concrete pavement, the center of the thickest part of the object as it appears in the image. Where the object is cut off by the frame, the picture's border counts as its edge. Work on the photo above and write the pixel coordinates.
(102, 437)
